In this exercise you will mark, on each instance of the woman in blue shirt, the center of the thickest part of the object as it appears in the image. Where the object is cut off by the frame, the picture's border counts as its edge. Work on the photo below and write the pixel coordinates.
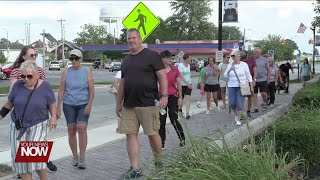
(77, 92)
(305, 71)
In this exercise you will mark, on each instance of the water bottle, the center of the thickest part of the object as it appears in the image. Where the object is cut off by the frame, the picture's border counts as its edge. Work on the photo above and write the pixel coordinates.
(161, 110)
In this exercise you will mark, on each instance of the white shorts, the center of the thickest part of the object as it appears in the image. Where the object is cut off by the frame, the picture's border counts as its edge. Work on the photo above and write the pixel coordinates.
(222, 84)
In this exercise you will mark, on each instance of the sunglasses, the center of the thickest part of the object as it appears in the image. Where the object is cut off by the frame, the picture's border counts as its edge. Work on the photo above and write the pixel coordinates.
(233, 55)
(74, 58)
(34, 55)
(29, 76)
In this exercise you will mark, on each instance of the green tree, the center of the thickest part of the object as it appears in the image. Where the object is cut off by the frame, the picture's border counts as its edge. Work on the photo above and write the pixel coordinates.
(93, 34)
(190, 20)
(123, 36)
(3, 58)
(230, 33)
(282, 50)
(316, 20)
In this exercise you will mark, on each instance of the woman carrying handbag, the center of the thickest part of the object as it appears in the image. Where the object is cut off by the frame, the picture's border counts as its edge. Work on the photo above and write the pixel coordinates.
(239, 84)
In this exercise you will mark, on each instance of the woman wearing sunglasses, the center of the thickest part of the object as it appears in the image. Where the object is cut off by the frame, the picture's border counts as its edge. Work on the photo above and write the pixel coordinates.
(235, 73)
(28, 53)
(30, 117)
(77, 93)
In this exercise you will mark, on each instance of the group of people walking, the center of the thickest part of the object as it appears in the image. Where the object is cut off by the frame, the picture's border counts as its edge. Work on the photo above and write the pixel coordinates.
(35, 109)
(146, 78)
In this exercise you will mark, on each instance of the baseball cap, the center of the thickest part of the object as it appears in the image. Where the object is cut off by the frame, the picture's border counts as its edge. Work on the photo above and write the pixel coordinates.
(76, 52)
(235, 52)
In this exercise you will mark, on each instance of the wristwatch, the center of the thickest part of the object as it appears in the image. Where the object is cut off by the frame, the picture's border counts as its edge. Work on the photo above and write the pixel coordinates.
(164, 95)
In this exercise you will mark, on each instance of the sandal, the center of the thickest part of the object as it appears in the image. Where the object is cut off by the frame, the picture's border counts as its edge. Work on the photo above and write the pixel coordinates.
(264, 108)
(255, 110)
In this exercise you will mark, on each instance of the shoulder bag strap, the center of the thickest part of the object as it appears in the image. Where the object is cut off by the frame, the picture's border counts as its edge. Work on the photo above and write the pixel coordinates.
(25, 107)
(236, 74)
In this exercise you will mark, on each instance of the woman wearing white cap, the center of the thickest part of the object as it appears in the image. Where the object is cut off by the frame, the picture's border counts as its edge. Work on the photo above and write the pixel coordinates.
(77, 92)
(240, 69)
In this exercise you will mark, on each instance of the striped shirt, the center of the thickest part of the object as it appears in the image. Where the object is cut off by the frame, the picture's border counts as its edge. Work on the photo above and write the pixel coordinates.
(16, 74)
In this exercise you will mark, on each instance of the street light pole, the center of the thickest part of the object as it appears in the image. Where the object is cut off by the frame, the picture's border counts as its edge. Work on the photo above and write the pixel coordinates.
(220, 26)
(314, 47)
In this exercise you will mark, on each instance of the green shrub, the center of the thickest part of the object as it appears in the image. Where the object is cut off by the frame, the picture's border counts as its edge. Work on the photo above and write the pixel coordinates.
(307, 97)
(300, 137)
(205, 160)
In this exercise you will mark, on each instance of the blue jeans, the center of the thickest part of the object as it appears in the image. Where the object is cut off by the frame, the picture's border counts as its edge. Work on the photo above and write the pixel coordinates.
(75, 114)
(236, 100)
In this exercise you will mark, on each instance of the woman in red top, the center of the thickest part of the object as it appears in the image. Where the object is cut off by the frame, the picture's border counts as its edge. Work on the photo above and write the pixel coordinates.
(27, 53)
(174, 99)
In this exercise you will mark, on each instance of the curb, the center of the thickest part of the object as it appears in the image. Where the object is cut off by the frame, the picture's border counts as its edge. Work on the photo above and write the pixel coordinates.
(255, 127)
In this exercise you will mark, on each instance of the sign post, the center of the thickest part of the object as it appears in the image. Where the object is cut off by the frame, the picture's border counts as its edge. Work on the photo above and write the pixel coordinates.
(142, 19)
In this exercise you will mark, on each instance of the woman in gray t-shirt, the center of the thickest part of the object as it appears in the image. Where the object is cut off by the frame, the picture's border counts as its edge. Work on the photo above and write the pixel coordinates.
(211, 76)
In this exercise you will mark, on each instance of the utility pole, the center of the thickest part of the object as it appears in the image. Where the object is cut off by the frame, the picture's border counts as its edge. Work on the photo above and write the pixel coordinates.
(314, 47)
(44, 52)
(62, 38)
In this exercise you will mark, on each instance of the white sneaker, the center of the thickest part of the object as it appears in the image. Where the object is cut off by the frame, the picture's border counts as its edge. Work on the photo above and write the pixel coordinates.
(219, 108)
(198, 104)
(238, 123)
(272, 106)
(208, 112)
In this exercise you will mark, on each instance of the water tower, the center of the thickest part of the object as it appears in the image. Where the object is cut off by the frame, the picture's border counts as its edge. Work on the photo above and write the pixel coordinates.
(108, 16)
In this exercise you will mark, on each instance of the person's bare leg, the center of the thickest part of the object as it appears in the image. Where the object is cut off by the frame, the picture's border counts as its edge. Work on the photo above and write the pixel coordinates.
(188, 103)
(156, 146)
(72, 137)
(26, 176)
(215, 98)
(83, 139)
(249, 103)
(223, 96)
(264, 97)
(208, 100)
(43, 174)
(254, 101)
(133, 150)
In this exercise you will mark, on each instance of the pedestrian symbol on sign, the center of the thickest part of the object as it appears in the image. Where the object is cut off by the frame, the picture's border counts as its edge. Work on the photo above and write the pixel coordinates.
(142, 19)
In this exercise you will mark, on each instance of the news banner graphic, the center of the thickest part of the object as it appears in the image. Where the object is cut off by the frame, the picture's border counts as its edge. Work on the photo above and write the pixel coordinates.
(34, 151)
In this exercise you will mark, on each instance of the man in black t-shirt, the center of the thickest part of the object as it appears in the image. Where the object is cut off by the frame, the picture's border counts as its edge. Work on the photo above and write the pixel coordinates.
(141, 71)
(286, 68)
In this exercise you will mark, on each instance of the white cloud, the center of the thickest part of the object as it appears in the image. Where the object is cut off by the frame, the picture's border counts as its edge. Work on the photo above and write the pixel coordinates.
(263, 17)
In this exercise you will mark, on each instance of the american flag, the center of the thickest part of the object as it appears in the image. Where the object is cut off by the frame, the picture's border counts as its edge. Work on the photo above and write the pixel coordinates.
(302, 28)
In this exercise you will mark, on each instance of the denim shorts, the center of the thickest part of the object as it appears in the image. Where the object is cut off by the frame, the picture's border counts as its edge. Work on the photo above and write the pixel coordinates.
(236, 100)
(75, 114)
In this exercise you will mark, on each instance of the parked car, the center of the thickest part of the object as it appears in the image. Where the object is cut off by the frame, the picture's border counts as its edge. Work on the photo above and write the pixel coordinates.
(6, 70)
(115, 66)
(194, 67)
(69, 64)
(54, 65)
(1, 75)
(107, 65)
(96, 64)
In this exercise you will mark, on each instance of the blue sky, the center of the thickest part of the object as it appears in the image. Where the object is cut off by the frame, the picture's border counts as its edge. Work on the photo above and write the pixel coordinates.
(262, 17)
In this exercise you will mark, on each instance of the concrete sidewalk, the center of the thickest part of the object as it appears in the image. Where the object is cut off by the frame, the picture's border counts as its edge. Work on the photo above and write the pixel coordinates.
(109, 160)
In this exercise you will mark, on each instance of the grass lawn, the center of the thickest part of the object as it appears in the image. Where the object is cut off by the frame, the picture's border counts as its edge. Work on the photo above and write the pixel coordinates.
(5, 170)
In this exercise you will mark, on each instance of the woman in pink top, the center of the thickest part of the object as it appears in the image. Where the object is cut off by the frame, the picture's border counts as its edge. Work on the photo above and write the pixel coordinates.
(174, 99)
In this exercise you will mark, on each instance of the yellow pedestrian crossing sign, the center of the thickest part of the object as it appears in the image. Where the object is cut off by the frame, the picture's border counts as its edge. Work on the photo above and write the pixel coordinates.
(142, 19)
